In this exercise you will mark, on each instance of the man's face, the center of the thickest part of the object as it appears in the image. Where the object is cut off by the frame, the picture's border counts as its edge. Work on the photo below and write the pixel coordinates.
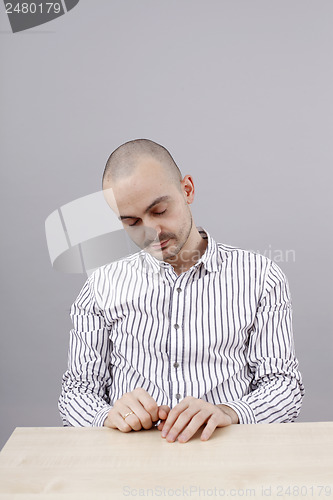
(153, 211)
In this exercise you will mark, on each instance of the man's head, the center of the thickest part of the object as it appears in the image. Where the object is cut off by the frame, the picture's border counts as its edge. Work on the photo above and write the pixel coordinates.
(124, 160)
(144, 187)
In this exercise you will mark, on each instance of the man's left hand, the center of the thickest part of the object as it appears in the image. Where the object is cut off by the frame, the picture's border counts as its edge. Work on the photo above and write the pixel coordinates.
(189, 415)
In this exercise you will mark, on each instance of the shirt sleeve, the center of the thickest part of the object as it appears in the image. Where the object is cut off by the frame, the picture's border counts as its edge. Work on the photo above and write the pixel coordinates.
(84, 395)
(277, 389)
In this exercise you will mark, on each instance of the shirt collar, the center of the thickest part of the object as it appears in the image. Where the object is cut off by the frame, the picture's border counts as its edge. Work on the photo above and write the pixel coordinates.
(211, 258)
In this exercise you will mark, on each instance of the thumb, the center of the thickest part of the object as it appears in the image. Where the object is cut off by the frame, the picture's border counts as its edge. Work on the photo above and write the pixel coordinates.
(163, 412)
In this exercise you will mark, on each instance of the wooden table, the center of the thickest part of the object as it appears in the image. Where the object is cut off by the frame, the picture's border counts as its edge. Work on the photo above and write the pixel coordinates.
(291, 461)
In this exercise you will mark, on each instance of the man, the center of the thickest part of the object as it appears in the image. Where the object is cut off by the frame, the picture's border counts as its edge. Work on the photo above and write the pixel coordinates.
(188, 332)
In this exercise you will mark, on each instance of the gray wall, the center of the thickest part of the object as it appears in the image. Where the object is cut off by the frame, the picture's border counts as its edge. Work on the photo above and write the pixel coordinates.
(239, 91)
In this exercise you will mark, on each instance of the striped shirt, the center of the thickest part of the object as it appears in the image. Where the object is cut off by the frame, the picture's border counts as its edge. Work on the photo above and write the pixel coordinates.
(221, 332)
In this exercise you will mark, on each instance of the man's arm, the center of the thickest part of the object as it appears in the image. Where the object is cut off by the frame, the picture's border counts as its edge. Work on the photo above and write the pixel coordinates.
(83, 400)
(277, 388)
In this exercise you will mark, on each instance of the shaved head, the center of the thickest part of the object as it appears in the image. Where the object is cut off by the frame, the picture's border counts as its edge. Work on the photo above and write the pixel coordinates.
(126, 158)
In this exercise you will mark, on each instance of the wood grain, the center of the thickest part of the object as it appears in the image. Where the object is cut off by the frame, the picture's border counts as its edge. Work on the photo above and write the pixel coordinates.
(238, 461)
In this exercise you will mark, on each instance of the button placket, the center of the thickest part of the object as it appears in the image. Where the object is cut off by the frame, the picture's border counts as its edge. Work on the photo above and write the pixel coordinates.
(177, 339)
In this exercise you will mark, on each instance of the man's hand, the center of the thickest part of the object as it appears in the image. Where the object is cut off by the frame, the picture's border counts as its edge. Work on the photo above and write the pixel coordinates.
(187, 417)
(141, 410)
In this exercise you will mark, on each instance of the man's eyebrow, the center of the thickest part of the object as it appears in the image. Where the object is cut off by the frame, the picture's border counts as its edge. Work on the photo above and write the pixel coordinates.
(155, 202)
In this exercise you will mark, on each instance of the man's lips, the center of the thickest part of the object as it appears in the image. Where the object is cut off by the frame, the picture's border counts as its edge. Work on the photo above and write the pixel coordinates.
(160, 245)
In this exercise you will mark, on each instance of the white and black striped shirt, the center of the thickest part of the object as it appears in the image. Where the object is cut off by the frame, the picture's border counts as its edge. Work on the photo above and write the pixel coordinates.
(220, 331)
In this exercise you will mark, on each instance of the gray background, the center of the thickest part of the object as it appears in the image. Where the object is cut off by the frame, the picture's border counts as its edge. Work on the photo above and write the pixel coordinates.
(240, 92)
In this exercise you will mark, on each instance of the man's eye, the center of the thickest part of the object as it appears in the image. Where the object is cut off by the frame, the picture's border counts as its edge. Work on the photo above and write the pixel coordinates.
(155, 213)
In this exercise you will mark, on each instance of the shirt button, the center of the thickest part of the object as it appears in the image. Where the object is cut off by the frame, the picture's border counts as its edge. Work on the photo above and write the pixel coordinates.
(176, 326)
(176, 364)
(178, 290)
(178, 396)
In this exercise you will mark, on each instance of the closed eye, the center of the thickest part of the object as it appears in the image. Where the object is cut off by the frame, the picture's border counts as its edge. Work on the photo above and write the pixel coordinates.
(155, 213)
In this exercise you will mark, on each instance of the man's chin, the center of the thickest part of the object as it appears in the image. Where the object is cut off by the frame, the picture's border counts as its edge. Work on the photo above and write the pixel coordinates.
(161, 253)
(157, 253)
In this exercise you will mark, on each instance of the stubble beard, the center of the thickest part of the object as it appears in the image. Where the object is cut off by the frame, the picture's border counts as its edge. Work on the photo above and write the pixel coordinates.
(174, 255)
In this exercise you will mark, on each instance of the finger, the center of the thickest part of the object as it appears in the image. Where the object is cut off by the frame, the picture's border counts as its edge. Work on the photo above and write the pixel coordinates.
(148, 403)
(115, 420)
(173, 415)
(216, 420)
(143, 417)
(136, 400)
(160, 426)
(194, 425)
(163, 412)
(186, 405)
(132, 420)
(209, 429)
(182, 421)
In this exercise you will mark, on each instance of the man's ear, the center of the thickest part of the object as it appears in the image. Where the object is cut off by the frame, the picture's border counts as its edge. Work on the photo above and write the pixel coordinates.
(188, 188)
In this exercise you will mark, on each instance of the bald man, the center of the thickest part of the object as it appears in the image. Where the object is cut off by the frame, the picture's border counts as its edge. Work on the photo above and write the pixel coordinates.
(187, 334)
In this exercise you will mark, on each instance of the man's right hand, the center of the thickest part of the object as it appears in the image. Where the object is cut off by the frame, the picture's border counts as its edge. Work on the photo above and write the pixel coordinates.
(145, 412)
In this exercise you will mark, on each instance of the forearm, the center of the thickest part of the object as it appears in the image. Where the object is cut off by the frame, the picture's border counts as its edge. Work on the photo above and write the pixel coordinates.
(84, 399)
(79, 406)
(276, 390)
(276, 399)
(84, 396)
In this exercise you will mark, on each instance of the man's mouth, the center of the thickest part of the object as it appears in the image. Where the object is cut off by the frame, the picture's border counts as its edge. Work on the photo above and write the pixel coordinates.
(161, 244)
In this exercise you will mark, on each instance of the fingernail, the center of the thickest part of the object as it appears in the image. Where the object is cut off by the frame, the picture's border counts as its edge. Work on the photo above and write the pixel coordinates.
(164, 433)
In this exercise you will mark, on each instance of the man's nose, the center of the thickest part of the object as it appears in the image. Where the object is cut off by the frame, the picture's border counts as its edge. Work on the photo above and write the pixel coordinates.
(152, 231)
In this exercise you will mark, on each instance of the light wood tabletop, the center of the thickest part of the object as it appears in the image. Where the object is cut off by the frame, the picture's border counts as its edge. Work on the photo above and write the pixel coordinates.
(240, 461)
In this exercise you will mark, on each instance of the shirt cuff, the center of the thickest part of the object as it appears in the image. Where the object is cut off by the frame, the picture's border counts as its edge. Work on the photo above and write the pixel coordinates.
(244, 412)
(101, 416)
